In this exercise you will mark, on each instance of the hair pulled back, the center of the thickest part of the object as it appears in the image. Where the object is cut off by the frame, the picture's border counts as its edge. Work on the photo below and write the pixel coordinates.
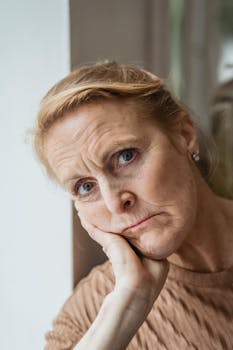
(106, 81)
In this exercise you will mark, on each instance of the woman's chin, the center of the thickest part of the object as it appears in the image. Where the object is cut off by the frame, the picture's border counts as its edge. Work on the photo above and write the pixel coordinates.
(152, 248)
(154, 255)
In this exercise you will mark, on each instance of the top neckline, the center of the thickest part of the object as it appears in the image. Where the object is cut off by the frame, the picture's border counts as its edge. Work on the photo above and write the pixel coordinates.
(202, 279)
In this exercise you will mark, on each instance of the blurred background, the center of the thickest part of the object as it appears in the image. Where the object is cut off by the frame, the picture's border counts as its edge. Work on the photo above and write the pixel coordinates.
(43, 250)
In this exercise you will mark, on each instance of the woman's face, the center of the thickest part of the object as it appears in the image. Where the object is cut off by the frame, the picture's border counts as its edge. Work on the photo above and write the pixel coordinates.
(125, 176)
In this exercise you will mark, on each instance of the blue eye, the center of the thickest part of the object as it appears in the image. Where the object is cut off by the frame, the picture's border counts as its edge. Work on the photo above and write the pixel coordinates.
(126, 156)
(84, 188)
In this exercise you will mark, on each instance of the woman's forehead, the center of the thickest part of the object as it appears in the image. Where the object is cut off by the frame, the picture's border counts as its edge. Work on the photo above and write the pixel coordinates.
(95, 117)
(93, 132)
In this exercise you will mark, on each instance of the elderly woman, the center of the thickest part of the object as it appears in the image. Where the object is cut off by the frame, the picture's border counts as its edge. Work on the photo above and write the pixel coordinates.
(129, 155)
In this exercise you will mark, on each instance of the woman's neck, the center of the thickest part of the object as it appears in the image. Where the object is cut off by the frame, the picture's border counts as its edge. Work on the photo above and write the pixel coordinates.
(209, 245)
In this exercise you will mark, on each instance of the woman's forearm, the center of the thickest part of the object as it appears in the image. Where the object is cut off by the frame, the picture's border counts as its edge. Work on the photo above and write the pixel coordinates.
(119, 318)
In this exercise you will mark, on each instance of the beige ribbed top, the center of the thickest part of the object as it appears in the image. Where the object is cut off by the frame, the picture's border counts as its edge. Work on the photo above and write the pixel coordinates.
(193, 311)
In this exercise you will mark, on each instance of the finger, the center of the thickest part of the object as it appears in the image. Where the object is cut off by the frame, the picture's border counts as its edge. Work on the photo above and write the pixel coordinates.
(124, 260)
(101, 237)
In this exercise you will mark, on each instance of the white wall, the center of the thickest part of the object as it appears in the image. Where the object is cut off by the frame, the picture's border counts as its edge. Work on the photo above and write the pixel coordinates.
(35, 225)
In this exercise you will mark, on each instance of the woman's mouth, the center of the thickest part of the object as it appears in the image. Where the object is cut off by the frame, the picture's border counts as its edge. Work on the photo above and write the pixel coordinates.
(142, 223)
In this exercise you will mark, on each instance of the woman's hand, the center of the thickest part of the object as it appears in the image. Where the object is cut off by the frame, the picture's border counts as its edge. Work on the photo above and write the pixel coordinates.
(140, 275)
(138, 282)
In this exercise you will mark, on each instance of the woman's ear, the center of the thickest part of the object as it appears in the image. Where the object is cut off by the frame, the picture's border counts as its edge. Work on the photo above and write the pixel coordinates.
(188, 135)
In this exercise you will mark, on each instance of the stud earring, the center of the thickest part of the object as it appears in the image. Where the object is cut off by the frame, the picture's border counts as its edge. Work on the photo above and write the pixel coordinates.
(195, 156)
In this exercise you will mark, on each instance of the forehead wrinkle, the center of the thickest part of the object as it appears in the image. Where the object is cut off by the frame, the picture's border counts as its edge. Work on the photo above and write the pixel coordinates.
(93, 135)
(59, 146)
(98, 137)
(86, 138)
(62, 164)
(68, 158)
(74, 171)
(105, 144)
(62, 153)
(95, 145)
(75, 164)
(87, 132)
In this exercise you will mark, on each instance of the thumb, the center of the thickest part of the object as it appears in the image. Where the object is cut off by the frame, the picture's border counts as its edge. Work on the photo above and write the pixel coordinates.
(158, 269)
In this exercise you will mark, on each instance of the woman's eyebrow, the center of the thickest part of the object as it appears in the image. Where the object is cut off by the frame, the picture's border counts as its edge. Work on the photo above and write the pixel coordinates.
(118, 144)
(66, 182)
(106, 155)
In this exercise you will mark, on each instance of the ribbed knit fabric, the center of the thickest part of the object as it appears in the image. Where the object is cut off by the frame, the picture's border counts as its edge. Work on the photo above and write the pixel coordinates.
(193, 311)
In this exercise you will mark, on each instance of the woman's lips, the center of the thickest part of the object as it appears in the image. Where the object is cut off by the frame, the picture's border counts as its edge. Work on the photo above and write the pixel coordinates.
(140, 222)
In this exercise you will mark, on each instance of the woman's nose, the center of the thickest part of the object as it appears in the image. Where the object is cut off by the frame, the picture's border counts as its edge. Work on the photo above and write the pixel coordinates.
(118, 202)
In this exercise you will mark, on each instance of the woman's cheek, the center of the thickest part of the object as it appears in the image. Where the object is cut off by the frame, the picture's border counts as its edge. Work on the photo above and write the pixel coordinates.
(79, 207)
(100, 218)
(93, 213)
(81, 210)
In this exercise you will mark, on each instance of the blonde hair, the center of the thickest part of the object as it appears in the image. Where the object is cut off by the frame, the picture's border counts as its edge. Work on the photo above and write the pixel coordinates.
(111, 80)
